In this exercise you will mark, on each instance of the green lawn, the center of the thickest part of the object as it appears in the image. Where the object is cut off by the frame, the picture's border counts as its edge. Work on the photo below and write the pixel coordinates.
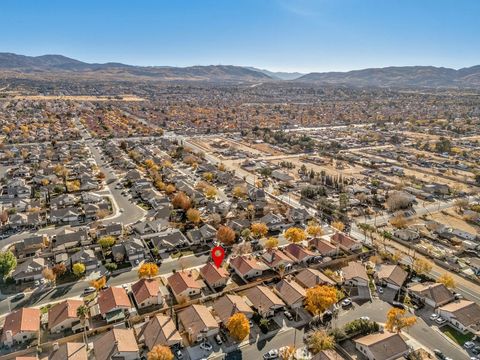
(456, 335)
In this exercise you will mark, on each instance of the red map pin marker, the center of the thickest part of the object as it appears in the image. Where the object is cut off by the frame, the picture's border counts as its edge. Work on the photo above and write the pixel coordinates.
(218, 254)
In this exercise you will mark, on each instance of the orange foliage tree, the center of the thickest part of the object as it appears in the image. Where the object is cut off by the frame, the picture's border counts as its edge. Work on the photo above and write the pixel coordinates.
(226, 235)
(148, 270)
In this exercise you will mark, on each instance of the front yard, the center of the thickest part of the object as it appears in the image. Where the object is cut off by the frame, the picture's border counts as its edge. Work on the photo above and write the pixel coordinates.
(456, 335)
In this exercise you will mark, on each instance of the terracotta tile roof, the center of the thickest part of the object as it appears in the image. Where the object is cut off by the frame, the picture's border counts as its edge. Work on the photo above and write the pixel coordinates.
(393, 274)
(297, 252)
(70, 351)
(343, 240)
(62, 311)
(290, 291)
(312, 277)
(160, 330)
(116, 340)
(196, 318)
(144, 289)
(24, 319)
(243, 264)
(228, 305)
(384, 345)
(275, 257)
(113, 297)
(323, 246)
(211, 274)
(183, 280)
(262, 297)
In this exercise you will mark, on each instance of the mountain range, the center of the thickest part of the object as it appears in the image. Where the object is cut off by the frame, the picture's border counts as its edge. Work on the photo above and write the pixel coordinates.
(404, 76)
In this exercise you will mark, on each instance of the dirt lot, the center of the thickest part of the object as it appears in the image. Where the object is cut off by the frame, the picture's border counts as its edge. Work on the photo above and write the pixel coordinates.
(263, 147)
(455, 221)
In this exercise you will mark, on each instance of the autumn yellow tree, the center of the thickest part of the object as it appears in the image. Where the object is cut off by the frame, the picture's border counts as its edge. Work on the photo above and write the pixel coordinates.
(447, 280)
(160, 352)
(396, 320)
(170, 189)
(238, 326)
(181, 201)
(208, 176)
(319, 340)
(148, 270)
(210, 192)
(258, 229)
(314, 230)
(287, 352)
(295, 235)
(239, 192)
(193, 215)
(226, 235)
(318, 299)
(271, 243)
(49, 275)
(160, 185)
(78, 269)
(422, 266)
(99, 283)
(150, 165)
(338, 225)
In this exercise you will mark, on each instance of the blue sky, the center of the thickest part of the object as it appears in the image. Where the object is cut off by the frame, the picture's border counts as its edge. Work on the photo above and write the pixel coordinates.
(289, 35)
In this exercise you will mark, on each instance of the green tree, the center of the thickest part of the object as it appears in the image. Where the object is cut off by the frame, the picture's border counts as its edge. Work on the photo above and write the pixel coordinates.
(8, 262)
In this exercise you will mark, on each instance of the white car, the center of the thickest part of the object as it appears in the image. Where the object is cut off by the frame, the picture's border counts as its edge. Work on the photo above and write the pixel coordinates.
(206, 346)
(346, 302)
(434, 317)
(272, 354)
(469, 345)
(365, 318)
(440, 320)
(179, 354)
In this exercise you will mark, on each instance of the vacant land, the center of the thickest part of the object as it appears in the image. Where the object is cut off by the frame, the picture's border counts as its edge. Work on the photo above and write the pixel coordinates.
(126, 98)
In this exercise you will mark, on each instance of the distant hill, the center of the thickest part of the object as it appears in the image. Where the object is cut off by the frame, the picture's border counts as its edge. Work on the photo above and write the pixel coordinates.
(61, 65)
(406, 76)
(279, 75)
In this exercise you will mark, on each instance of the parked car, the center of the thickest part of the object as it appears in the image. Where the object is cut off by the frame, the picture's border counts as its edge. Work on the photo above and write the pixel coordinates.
(365, 318)
(434, 317)
(439, 354)
(179, 354)
(469, 345)
(18, 297)
(272, 354)
(89, 290)
(458, 296)
(206, 346)
(380, 290)
(288, 315)
(346, 302)
(218, 340)
(440, 320)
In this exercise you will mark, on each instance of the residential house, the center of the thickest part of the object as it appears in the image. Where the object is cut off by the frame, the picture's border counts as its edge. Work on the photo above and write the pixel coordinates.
(116, 344)
(214, 276)
(382, 346)
(432, 294)
(329, 354)
(112, 303)
(355, 274)
(274, 222)
(30, 246)
(275, 259)
(69, 351)
(113, 229)
(298, 253)
(345, 242)
(131, 250)
(264, 300)
(202, 235)
(406, 234)
(291, 292)
(198, 322)
(310, 278)
(86, 257)
(30, 270)
(324, 247)
(168, 240)
(20, 326)
(463, 315)
(159, 330)
(247, 267)
(184, 284)
(298, 216)
(228, 305)
(146, 292)
(63, 316)
(393, 276)
(68, 238)
(64, 215)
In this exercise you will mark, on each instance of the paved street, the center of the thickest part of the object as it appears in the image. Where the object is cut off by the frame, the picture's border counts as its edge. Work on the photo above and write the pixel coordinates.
(421, 332)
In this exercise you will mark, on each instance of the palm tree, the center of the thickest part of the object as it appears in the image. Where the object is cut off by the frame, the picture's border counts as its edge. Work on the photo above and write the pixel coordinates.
(281, 270)
(82, 313)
